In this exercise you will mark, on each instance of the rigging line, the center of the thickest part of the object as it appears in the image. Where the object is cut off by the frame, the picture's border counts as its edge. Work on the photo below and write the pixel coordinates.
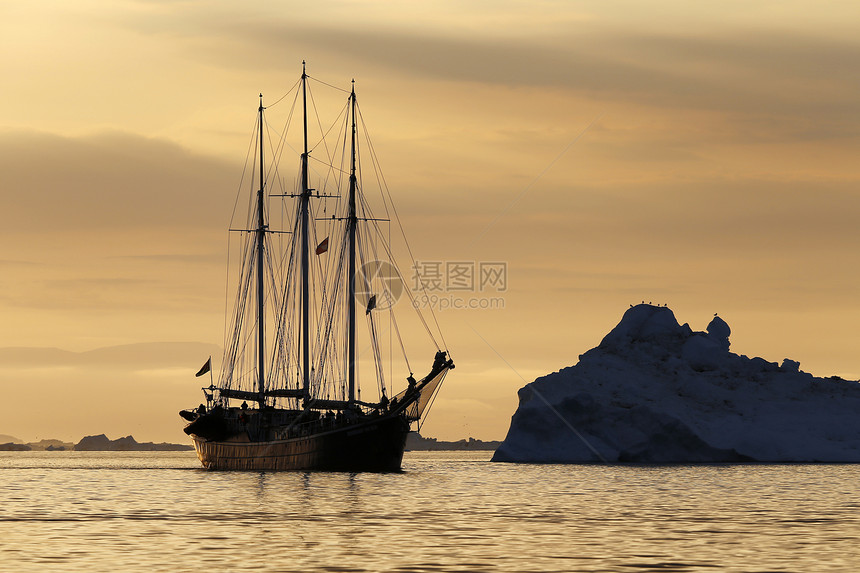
(295, 85)
(329, 303)
(249, 213)
(328, 310)
(331, 167)
(332, 172)
(251, 145)
(277, 152)
(286, 309)
(310, 158)
(230, 345)
(319, 286)
(409, 294)
(386, 300)
(334, 262)
(377, 168)
(338, 312)
(343, 170)
(392, 260)
(286, 129)
(403, 234)
(535, 180)
(544, 400)
(327, 84)
(391, 320)
(337, 121)
(291, 297)
(363, 249)
(380, 367)
(278, 354)
(319, 123)
(228, 316)
(240, 285)
(359, 354)
(226, 309)
(242, 288)
(294, 296)
(273, 289)
(432, 400)
(396, 329)
(317, 294)
(340, 227)
(286, 143)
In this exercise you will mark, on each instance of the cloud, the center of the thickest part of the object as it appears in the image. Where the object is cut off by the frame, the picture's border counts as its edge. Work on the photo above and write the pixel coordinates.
(11, 263)
(118, 390)
(751, 69)
(177, 258)
(155, 356)
(109, 181)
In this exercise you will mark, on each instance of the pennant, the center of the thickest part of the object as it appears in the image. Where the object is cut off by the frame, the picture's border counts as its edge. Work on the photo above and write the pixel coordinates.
(205, 368)
(371, 304)
(322, 247)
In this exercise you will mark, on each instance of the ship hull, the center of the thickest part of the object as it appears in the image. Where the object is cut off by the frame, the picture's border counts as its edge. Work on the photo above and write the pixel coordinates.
(372, 446)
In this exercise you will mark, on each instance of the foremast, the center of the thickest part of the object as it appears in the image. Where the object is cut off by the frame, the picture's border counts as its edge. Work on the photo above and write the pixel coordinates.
(261, 240)
(352, 230)
(305, 248)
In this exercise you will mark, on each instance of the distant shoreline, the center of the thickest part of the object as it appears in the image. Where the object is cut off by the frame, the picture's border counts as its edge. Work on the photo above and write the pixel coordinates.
(415, 442)
(101, 443)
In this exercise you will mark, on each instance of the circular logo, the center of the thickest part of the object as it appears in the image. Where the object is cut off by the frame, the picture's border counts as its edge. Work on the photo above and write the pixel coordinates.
(378, 285)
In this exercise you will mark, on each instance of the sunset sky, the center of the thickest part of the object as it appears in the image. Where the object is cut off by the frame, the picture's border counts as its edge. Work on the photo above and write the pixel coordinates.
(700, 155)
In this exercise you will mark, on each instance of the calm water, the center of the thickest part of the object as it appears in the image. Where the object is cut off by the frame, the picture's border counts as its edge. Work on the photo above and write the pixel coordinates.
(449, 511)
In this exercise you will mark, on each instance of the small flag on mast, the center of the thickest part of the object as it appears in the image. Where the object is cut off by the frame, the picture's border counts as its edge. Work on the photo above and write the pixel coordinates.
(322, 247)
(205, 368)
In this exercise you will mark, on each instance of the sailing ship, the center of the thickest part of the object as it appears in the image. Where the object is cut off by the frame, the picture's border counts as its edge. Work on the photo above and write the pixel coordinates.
(303, 297)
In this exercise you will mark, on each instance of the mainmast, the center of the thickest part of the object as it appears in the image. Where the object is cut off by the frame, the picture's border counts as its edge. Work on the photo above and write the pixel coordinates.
(305, 200)
(352, 225)
(261, 236)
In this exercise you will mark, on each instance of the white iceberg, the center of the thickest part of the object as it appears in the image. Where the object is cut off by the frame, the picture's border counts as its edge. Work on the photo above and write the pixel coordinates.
(656, 391)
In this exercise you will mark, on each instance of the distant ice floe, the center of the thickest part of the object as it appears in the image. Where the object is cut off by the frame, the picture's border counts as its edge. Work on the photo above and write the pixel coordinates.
(656, 391)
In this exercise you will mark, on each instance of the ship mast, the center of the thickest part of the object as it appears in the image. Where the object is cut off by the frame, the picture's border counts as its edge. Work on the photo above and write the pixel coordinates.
(352, 224)
(305, 267)
(261, 235)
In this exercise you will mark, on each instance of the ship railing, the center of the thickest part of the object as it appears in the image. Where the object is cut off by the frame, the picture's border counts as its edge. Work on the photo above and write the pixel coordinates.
(328, 421)
(285, 393)
(255, 396)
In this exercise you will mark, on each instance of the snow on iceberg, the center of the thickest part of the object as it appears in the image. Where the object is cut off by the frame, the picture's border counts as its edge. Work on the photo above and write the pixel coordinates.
(656, 391)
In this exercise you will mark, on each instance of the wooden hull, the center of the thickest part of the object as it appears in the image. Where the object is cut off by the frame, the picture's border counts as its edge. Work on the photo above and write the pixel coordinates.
(372, 446)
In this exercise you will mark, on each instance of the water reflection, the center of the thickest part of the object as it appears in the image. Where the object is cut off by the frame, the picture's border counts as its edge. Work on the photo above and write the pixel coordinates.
(261, 485)
(447, 512)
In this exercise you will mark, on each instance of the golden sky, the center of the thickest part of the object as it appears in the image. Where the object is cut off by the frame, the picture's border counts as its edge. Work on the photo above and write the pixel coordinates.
(701, 155)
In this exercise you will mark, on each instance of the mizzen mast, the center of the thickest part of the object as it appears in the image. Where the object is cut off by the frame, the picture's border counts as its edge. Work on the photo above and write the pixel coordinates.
(305, 266)
(352, 224)
(261, 238)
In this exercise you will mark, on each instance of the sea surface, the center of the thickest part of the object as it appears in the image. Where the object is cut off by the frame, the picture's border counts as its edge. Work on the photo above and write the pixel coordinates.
(447, 511)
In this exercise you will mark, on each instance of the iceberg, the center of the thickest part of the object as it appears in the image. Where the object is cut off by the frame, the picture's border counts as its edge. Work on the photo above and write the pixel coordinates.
(655, 391)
